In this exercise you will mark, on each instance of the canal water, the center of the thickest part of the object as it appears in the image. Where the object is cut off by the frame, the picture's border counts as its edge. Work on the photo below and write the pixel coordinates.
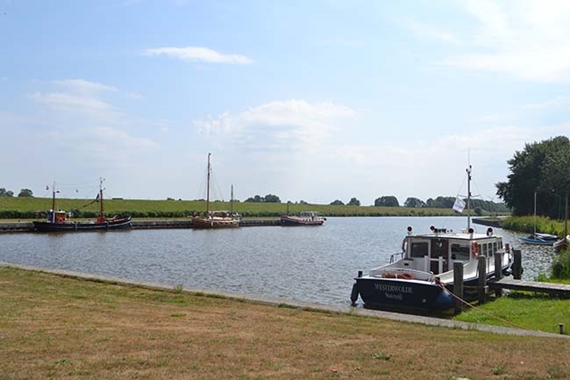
(312, 264)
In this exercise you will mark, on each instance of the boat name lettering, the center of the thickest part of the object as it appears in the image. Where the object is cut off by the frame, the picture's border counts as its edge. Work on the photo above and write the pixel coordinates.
(392, 296)
(393, 288)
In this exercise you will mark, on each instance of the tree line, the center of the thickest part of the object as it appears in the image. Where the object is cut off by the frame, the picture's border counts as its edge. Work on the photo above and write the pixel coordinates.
(541, 168)
(10, 193)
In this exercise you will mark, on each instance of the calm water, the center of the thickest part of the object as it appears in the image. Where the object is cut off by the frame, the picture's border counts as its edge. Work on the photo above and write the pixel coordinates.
(314, 264)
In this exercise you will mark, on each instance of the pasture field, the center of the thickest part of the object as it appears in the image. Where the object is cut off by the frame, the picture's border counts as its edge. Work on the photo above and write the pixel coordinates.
(32, 208)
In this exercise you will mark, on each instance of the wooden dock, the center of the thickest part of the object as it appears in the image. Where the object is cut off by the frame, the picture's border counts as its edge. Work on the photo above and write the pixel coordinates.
(559, 290)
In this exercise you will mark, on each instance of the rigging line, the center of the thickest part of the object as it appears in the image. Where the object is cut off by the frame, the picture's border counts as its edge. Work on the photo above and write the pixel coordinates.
(487, 313)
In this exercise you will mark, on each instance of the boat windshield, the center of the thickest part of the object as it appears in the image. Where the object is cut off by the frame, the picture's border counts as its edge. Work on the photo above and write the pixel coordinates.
(419, 249)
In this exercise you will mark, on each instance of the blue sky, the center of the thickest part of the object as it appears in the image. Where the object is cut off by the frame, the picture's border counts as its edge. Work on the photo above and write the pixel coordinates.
(309, 100)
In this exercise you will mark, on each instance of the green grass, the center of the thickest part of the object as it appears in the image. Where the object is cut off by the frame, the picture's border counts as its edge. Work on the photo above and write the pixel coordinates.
(527, 224)
(32, 208)
(522, 310)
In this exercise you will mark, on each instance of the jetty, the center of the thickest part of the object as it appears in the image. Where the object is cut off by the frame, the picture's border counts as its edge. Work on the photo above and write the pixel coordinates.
(12, 227)
(553, 289)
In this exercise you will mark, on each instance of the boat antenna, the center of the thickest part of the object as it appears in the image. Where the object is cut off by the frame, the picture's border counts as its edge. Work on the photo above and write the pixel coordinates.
(468, 170)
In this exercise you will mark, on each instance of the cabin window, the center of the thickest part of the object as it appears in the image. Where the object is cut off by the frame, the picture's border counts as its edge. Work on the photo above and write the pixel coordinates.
(483, 249)
(460, 252)
(419, 249)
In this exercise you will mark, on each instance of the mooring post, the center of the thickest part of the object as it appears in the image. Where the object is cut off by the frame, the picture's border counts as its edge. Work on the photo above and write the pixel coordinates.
(517, 264)
(561, 328)
(482, 279)
(498, 272)
(458, 286)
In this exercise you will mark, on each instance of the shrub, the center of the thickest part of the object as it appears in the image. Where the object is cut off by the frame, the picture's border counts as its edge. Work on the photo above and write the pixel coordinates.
(561, 266)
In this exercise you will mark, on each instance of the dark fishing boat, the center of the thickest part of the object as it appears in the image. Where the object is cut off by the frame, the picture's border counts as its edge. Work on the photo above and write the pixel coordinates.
(57, 221)
(421, 277)
(215, 219)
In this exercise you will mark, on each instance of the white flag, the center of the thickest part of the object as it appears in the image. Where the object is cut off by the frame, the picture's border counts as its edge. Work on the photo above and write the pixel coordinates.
(459, 205)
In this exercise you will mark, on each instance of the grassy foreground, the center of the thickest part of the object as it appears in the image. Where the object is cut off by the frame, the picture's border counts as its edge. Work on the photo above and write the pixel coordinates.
(57, 327)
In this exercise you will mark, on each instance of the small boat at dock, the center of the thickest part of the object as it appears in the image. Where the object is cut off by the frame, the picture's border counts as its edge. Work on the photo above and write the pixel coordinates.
(538, 238)
(305, 218)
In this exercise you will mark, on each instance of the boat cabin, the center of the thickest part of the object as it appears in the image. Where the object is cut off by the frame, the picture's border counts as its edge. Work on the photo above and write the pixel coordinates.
(437, 251)
(58, 216)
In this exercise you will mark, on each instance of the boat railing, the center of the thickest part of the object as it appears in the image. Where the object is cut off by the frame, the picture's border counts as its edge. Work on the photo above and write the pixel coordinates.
(396, 256)
(403, 273)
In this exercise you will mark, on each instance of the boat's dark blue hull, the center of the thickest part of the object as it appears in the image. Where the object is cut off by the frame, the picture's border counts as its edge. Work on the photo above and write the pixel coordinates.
(384, 293)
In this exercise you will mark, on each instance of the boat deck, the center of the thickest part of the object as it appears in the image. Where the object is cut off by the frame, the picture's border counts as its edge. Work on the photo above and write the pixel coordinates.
(561, 290)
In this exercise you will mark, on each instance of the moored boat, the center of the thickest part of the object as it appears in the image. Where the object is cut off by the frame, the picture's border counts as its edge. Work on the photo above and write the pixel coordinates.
(421, 276)
(215, 219)
(57, 221)
(539, 239)
(305, 218)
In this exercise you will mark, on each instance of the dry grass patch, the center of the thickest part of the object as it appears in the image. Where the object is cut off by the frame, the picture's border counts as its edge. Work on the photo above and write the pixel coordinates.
(55, 327)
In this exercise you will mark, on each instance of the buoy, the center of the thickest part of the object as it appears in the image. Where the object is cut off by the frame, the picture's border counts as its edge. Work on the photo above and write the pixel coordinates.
(354, 294)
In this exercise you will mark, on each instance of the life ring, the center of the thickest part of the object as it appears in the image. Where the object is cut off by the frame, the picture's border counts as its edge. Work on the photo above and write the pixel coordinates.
(403, 276)
(475, 249)
(60, 220)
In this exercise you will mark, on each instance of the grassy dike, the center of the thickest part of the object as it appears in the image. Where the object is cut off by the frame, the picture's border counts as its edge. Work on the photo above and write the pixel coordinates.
(64, 328)
(12, 207)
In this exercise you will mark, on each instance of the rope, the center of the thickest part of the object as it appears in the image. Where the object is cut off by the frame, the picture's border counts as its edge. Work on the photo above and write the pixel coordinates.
(487, 313)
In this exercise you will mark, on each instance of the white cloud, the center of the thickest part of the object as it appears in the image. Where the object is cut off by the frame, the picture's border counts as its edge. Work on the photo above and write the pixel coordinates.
(83, 86)
(70, 101)
(199, 54)
(524, 38)
(280, 122)
(558, 102)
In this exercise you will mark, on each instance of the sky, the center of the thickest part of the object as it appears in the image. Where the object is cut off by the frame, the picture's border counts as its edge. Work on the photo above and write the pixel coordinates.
(311, 101)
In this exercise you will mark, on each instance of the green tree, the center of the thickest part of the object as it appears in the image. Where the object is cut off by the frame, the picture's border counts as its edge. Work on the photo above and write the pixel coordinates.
(414, 202)
(6, 193)
(256, 199)
(354, 202)
(270, 198)
(26, 193)
(538, 168)
(337, 203)
(387, 201)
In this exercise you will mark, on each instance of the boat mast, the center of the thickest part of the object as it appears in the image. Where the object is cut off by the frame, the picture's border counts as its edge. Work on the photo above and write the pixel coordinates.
(53, 203)
(102, 212)
(232, 201)
(468, 197)
(208, 186)
(534, 214)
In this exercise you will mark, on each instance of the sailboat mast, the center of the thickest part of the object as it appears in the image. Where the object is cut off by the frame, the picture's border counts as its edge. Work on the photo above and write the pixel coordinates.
(102, 212)
(534, 213)
(208, 186)
(232, 201)
(53, 203)
(468, 197)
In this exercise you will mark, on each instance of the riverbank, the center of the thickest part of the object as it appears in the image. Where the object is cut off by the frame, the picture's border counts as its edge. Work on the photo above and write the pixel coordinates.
(62, 327)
